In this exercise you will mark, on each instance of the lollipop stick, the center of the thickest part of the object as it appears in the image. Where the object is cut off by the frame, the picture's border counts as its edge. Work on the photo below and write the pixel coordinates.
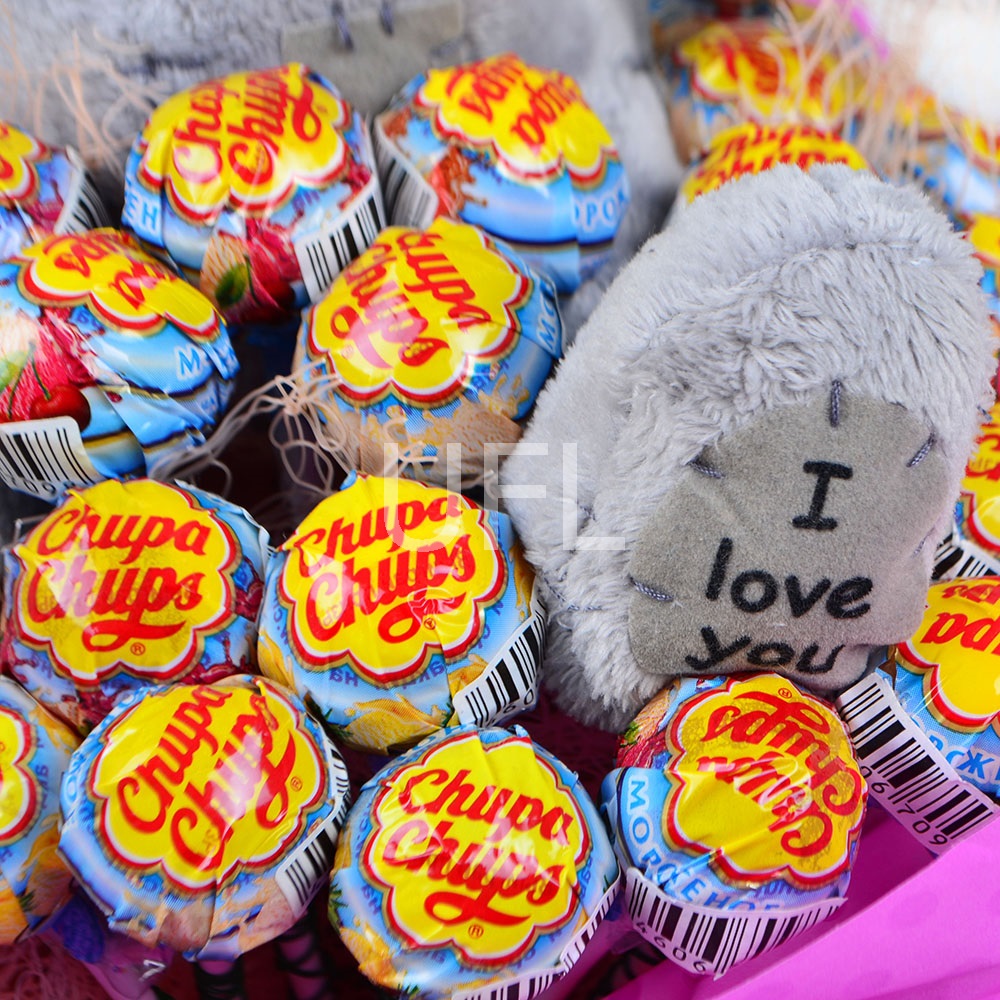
(220, 980)
(301, 959)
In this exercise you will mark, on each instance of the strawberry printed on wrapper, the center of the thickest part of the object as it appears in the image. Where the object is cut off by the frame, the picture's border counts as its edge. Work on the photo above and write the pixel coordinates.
(95, 330)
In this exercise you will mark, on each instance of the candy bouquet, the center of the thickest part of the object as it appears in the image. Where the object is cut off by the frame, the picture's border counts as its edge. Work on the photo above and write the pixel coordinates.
(380, 634)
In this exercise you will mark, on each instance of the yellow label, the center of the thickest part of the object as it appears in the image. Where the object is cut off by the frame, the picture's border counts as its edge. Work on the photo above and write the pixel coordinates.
(18, 151)
(384, 574)
(534, 121)
(984, 146)
(416, 312)
(957, 649)
(980, 493)
(752, 149)
(760, 69)
(984, 235)
(126, 577)
(107, 272)
(19, 791)
(478, 848)
(245, 141)
(198, 782)
(765, 781)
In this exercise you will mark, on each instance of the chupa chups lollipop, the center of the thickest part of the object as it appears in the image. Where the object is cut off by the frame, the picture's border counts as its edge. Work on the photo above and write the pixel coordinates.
(972, 548)
(927, 724)
(204, 817)
(43, 191)
(752, 148)
(109, 362)
(128, 585)
(476, 862)
(35, 750)
(431, 338)
(731, 72)
(260, 186)
(397, 609)
(511, 148)
(733, 794)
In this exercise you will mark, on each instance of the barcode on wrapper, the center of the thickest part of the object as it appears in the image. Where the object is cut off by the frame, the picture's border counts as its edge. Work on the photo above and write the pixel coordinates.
(82, 206)
(525, 987)
(45, 457)
(309, 865)
(957, 557)
(509, 684)
(322, 254)
(703, 939)
(906, 772)
(409, 199)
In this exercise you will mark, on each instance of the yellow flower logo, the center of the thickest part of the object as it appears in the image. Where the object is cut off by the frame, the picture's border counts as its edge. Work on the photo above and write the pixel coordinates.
(106, 585)
(759, 68)
(200, 781)
(534, 122)
(956, 651)
(416, 312)
(751, 149)
(519, 835)
(764, 781)
(18, 151)
(385, 574)
(20, 800)
(109, 273)
(244, 141)
(981, 486)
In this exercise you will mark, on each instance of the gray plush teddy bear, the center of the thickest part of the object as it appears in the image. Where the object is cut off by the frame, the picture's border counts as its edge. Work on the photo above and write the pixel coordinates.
(748, 456)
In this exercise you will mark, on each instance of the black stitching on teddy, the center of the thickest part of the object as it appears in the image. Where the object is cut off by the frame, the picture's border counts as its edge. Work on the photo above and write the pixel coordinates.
(645, 588)
(925, 450)
(835, 392)
(706, 470)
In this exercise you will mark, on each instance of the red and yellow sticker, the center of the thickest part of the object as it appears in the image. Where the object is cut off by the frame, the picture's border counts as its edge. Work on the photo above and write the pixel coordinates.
(416, 312)
(110, 274)
(980, 492)
(20, 798)
(751, 149)
(477, 847)
(534, 122)
(764, 780)
(957, 650)
(197, 782)
(245, 141)
(385, 574)
(18, 152)
(107, 585)
(758, 68)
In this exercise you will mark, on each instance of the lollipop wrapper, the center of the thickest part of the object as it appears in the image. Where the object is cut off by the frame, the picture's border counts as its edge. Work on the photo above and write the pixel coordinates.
(109, 362)
(513, 149)
(204, 817)
(44, 191)
(926, 727)
(536, 874)
(396, 609)
(34, 753)
(429, 339)
(259, 186)
(735, 812)
(128, 585)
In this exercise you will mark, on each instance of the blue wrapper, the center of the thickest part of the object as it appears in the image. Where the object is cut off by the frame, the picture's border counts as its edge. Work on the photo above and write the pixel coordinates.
(397, 609)
(474, 862)
(204, 817)
(513, 149)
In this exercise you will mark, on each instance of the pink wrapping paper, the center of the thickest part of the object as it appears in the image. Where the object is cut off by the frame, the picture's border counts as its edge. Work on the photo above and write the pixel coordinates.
(913, 927)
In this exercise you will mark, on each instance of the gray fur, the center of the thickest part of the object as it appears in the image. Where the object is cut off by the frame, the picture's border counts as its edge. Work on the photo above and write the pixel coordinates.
(756, 298)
